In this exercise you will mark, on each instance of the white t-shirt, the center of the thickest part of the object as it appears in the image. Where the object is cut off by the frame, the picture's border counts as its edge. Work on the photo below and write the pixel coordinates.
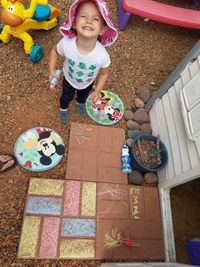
(81, 70)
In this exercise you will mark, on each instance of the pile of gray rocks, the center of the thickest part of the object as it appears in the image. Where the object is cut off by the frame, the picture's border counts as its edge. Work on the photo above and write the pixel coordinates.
(137, 121)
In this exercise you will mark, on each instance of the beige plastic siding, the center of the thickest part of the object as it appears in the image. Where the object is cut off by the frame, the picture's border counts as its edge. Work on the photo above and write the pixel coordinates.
(167, 121)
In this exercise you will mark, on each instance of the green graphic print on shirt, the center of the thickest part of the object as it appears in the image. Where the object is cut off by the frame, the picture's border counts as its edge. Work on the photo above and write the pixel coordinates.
(92, 67)
(91, 74)
(80, 72)
(71, 62)
(81, 65)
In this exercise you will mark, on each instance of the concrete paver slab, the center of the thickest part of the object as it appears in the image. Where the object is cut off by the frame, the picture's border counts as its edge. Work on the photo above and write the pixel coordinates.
(95, 153)
(68, 219)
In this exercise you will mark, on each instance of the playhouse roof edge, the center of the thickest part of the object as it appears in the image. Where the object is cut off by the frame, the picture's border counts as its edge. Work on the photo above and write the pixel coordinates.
(193, 53)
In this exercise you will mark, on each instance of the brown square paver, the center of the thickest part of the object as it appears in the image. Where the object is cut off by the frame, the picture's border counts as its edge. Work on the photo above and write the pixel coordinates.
(82, 165)
(95, 153)
(135, 212)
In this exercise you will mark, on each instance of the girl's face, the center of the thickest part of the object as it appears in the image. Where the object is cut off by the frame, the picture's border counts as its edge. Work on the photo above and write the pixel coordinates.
(89, 22)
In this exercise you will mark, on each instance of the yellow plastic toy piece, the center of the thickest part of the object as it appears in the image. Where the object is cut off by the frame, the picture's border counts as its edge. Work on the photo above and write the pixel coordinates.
(18, 20)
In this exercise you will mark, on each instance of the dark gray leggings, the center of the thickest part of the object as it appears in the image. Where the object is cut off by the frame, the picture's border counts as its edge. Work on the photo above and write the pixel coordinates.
(69, 92)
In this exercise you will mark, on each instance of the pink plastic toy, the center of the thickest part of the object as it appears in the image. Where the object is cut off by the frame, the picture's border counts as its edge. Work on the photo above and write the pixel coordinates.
(159, 12)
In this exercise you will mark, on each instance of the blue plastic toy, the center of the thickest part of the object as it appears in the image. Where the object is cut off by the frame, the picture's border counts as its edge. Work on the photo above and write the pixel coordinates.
(54, 80)
(126, 160)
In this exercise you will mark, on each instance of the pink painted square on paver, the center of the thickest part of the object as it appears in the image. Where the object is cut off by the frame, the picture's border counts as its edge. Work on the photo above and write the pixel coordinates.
(49, 238)
(71, 198)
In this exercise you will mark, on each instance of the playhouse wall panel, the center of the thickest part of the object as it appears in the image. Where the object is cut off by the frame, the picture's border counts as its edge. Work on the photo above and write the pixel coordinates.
(183, 149)
(185, 78)
(192, 147)
(193, 68)
(173, 134)
(166, 119)
(164, 135)
(180, 125)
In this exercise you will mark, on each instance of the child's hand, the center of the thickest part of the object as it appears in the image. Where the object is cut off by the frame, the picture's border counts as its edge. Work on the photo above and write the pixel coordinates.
(94, 96)
(54, 77)
(53, 74)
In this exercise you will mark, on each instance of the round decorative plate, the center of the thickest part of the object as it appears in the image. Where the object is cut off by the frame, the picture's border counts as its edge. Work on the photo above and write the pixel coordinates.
(39, 149)
(107, 110)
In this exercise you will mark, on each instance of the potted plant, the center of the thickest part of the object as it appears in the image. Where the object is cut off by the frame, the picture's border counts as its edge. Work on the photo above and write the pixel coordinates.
(148, 153)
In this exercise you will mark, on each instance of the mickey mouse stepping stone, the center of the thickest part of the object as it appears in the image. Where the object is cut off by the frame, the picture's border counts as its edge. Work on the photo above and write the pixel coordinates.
(39, 149)
(107, 110)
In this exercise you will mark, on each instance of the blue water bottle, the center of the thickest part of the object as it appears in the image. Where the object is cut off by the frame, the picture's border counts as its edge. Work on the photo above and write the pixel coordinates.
(126, 160)
(54, 80)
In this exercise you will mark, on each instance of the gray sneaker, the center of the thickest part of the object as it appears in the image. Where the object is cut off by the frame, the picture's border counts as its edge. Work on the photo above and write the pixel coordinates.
(64, 116)
(81, 108)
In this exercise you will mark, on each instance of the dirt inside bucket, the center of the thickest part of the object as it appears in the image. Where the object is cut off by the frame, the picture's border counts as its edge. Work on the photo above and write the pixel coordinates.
(148, 153)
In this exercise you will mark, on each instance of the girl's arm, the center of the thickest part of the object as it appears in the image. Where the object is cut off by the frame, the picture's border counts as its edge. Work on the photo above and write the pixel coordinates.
(53, 63)
(103, 75)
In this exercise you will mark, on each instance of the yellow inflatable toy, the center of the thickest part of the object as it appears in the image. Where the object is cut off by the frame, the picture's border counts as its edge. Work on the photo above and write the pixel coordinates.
(17, 20)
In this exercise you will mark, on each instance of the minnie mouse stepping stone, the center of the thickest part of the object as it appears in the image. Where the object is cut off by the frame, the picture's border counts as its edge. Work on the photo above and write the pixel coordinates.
(107, 110)
(39, 149)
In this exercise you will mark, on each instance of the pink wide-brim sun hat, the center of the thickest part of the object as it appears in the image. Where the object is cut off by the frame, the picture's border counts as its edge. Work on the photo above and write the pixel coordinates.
(107, 38)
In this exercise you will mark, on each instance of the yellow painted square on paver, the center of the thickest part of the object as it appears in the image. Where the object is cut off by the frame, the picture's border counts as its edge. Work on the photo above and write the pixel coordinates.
(77, 249)
(40, 186)
(88, 199)
(29, 237)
